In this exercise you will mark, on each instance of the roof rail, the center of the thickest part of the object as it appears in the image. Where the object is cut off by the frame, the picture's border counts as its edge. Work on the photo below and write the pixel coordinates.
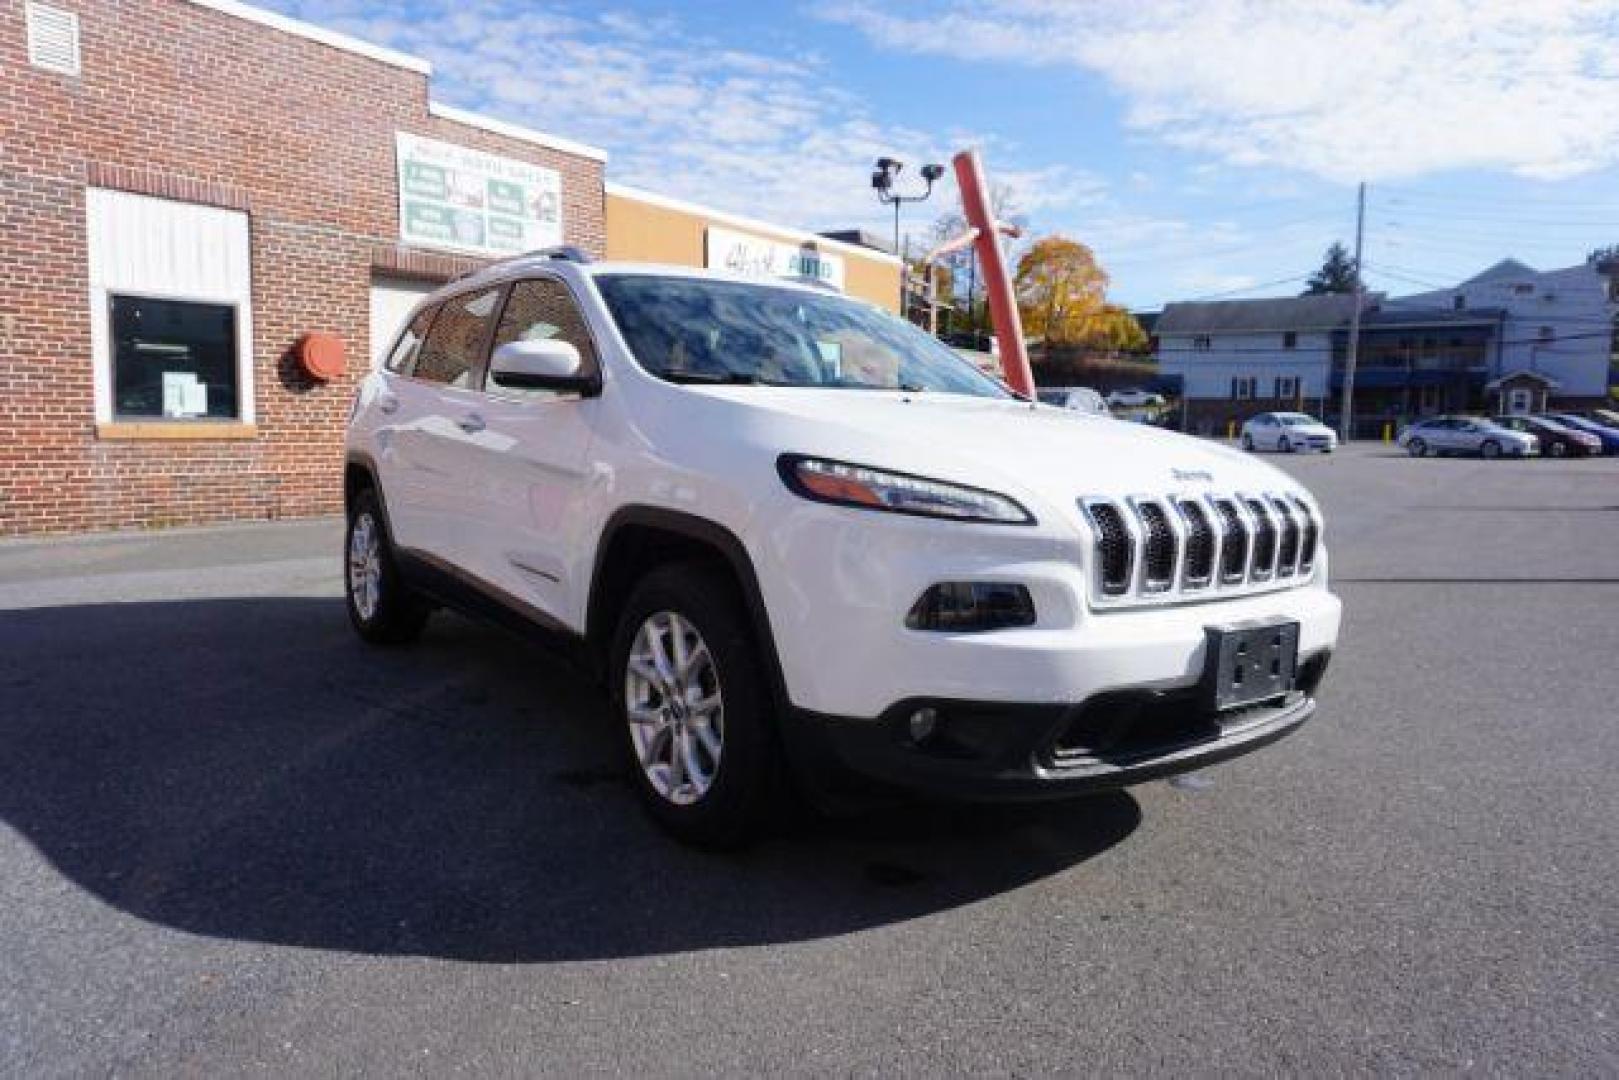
(565, 252)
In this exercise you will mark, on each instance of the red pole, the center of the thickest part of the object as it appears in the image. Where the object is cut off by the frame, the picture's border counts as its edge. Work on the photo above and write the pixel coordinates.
(998, 282)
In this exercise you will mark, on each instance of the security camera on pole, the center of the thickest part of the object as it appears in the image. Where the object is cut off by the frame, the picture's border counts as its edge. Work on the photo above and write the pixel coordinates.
(882, 179)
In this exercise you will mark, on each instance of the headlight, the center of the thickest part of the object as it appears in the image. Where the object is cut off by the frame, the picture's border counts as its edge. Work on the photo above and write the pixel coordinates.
(864, 488)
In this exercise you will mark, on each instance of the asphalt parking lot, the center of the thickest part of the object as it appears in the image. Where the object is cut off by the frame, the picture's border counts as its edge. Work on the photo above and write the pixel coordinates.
(233, 839)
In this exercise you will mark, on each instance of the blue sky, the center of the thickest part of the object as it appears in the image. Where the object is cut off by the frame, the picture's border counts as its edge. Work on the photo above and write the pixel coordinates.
(1201, 147)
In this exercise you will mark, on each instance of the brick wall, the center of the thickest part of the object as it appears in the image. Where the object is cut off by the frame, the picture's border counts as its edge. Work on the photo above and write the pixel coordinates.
(181, 101)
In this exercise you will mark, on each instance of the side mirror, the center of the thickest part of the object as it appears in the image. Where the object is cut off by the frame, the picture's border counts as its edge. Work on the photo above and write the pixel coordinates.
(543, 364)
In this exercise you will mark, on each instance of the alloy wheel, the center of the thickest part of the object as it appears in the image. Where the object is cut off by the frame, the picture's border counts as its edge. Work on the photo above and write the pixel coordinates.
(674, 706)
(365, 565)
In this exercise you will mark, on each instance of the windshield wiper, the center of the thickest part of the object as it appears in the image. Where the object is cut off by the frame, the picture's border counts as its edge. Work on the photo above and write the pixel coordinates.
(710, 378)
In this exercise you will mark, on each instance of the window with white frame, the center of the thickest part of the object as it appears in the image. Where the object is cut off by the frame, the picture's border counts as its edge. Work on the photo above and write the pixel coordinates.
(1287, 387)
(1548, 333)
(170, 310)
(1244, 387)
(1202, 343)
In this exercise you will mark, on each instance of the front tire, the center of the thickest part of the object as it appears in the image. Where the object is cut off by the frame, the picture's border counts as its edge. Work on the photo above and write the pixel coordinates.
(1558, 450)
(1248, 442)
(1286, 445)
(1491, 449)
(690, 693)
(381, 606)
(1417, 448)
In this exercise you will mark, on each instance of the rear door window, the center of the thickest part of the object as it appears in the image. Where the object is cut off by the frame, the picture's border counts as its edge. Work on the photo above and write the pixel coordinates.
(458, 339)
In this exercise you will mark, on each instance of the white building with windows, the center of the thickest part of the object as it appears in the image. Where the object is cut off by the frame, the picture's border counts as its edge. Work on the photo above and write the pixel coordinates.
(1236, 358)
(1557, 325)
(1510, 339)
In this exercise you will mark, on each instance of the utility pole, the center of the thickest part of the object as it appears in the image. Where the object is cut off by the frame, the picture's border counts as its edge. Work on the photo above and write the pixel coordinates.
(1347, 421)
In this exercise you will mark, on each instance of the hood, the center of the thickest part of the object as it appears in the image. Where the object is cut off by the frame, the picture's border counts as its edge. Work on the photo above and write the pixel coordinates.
(1053, 455)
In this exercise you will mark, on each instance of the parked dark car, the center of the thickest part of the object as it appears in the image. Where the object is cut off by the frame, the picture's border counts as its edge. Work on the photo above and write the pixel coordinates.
(1608, 435)
(1556, 440)
(1602, 416)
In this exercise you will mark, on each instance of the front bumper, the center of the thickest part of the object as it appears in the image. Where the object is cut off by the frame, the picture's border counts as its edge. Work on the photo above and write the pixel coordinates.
(995, 751)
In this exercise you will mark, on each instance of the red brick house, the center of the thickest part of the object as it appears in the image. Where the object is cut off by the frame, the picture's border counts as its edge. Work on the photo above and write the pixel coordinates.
(187, 189)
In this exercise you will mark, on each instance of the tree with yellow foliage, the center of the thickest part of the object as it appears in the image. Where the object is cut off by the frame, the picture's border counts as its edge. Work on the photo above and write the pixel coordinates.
(1062, 296)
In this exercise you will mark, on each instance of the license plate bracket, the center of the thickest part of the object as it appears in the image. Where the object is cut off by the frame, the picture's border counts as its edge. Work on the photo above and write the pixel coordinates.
(1250, 663)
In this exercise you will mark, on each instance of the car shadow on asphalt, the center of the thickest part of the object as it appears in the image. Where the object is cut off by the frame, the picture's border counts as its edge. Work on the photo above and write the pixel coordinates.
(246, 769)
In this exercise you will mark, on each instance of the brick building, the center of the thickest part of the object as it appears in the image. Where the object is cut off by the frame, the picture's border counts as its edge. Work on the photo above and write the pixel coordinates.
(190, 188)
(186, 190)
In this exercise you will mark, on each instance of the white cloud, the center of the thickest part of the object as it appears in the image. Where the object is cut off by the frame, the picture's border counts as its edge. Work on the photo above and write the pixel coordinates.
(1342, 89)
(755, 132)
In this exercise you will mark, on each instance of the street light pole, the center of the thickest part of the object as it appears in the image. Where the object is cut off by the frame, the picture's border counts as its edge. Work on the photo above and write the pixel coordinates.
(883, 176)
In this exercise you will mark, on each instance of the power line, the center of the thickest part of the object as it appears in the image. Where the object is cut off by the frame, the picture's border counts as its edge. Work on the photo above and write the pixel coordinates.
(1214, 354)
(1404, 209)
(1450, 198)
(1247, 288)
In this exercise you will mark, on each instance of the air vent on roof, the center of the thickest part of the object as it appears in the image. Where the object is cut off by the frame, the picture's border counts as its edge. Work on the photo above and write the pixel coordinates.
(53, 39)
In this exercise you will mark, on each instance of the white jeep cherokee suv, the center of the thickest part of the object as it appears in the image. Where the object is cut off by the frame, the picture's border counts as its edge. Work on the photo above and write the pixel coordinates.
(800, 538)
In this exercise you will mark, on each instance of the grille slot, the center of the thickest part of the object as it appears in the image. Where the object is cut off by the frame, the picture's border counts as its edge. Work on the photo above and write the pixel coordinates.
(1234, 542)
(1158, 555)
(1115, 550)
(1264, 540)
(1199, 565)
(1287, 554)
(1309, 536)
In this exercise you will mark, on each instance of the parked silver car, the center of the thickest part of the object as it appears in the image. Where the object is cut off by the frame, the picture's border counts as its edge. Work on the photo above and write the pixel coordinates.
(1078, 398)
(1440, 435)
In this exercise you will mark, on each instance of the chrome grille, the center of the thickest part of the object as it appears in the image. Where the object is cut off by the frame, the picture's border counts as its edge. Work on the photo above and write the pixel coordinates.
(1151, 549)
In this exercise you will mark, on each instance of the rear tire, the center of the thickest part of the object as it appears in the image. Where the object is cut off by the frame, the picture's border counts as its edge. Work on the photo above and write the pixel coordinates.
(383, 609)
(690, 693)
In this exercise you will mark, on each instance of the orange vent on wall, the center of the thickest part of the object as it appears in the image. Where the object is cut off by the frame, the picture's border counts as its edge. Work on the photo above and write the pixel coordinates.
(321, 355)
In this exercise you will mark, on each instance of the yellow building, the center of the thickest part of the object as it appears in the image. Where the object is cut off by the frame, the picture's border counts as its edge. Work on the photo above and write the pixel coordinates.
(646, 227)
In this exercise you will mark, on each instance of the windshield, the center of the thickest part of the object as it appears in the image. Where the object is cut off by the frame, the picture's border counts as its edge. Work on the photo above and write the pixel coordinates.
(1293, 419)
(699, 330)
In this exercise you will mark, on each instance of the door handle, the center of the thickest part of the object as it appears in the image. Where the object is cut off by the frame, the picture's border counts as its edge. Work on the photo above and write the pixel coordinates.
(388, 403)
(471, 423)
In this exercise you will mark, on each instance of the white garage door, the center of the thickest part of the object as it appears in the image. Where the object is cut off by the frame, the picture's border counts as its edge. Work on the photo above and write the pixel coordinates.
(391, 301)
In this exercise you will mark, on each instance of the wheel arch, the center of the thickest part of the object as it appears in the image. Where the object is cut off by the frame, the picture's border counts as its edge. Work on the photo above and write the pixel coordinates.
(636, 539)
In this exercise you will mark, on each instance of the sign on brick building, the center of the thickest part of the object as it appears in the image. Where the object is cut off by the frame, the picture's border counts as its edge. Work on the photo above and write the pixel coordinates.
(462, 199)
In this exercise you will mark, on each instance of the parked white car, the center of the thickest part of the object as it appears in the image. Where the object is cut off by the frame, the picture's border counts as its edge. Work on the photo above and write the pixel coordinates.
(1441, 435)
(798, 537)
(1079, 398)
(1288, 432)
(1134, 399)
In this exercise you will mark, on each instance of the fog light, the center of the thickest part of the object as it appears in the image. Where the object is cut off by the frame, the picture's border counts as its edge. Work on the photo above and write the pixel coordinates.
(969, 606)
(923, 723)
